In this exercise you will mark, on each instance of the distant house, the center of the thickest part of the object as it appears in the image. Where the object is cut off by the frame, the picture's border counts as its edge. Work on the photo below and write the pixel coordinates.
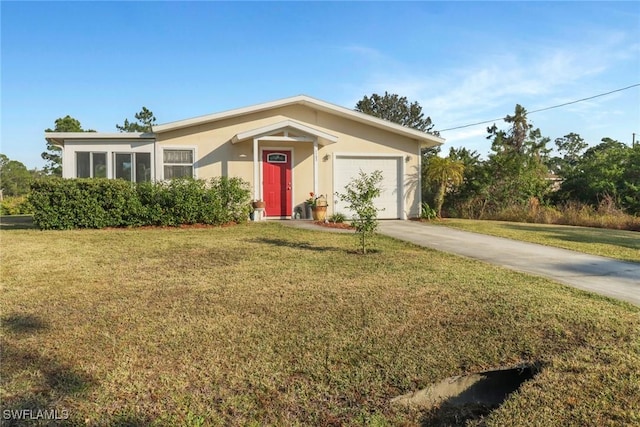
(285, 149)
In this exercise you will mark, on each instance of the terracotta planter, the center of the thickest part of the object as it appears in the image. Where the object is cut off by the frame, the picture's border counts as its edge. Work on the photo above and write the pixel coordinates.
(319, 213)
(259, 204)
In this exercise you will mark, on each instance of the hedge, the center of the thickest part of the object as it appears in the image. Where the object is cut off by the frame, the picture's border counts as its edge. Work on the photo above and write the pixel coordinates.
(15, 205)
(97, 203)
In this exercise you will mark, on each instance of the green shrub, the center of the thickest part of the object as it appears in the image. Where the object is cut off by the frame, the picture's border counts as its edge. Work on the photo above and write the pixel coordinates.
(232, 195)
(98, 203)
(83, 203)
(337, 218)
(18, 205)
(427, 212)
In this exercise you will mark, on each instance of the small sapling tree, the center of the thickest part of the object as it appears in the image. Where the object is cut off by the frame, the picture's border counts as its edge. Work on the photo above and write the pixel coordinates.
(359, 194)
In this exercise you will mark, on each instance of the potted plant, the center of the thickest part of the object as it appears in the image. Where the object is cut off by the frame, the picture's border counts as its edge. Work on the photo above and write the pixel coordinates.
(318, 206)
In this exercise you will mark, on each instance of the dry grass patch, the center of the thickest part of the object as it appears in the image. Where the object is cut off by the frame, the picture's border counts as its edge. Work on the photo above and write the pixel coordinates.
(619, 244)
(264, 325)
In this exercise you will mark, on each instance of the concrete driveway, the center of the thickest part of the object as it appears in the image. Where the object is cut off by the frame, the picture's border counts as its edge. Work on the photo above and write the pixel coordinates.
(605, 276)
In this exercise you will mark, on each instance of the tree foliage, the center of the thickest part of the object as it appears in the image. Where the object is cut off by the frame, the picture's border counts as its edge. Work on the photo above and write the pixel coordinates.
(14, 177)
(517, 165)
(53, 155)
(396, 109)
(446, 173)
(144, 122)
(359, 194)
(570, 148)
(609, 169)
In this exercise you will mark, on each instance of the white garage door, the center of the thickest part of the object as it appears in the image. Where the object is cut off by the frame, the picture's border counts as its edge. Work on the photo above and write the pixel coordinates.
(348, 167)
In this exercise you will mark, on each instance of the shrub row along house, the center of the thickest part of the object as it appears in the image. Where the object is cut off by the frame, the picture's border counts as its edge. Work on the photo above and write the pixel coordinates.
(285, 149)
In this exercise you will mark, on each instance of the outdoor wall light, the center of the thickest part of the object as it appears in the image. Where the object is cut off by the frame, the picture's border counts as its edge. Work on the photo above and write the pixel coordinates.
(407, 159)
(326, 157)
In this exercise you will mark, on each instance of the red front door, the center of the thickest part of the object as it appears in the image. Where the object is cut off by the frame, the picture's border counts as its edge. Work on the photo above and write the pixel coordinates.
(276, 182)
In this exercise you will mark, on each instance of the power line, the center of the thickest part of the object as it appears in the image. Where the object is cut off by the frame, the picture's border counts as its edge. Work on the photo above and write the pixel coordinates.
(544, 109)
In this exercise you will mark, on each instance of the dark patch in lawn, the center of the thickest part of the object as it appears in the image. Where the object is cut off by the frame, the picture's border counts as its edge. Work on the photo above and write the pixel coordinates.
(595, 235)
(291, 244)
(16, 222)
(59, 377)
(59, 380)
(457, 400)
(23, 323)
(359, 251)
(130, 420)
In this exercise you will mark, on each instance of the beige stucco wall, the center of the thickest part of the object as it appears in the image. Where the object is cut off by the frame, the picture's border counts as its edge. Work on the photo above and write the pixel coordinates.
(216, 155)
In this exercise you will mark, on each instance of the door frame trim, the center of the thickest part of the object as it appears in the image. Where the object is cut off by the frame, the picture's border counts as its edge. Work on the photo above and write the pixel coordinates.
(293, 181)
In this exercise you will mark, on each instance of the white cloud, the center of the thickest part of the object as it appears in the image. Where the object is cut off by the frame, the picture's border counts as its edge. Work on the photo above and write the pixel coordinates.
(477, 91)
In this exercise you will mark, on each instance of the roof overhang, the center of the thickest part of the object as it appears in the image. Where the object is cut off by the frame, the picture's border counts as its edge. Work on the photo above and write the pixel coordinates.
(267, 131)
(59, 138)
(423, 138)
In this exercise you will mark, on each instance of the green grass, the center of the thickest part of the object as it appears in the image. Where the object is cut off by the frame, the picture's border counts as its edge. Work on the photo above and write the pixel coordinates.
(619, 244)
(264, 325)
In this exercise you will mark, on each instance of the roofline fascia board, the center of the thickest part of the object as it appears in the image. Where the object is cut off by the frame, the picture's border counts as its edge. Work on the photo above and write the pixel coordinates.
(99, 135)
(366, 118)
(306, 101)
(59, 138)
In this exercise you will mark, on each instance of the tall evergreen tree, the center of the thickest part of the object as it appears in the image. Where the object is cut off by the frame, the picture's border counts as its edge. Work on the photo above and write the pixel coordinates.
(396, 109)
(517, 165)
(144, 122)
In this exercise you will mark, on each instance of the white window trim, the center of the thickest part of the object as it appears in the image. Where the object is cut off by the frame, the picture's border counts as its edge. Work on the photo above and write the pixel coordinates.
(286, 157)
(91, 153)
(132, 156)
(115, 164)
(193, 148)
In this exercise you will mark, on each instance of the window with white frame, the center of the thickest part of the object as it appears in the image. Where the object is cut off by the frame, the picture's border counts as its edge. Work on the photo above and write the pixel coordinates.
(178, 163)
(132, 166)
(91, 165)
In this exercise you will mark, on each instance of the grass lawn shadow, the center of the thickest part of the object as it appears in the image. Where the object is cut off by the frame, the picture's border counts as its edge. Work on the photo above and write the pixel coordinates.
(292, 244)
(23, 323)
(625, 239)
(58, 380)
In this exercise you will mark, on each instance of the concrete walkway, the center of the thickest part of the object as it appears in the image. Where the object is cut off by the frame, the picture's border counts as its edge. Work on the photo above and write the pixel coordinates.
(605, 276)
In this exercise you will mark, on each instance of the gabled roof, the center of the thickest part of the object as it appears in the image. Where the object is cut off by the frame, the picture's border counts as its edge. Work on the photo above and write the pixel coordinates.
(423, 137)
(57, 138)
(286, 125)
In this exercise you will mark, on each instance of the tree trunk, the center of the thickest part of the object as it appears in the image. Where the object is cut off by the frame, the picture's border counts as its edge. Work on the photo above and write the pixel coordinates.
(364, 246)
(440, 198)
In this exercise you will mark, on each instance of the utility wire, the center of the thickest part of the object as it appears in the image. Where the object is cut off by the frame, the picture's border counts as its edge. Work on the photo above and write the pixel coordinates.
(544, 109)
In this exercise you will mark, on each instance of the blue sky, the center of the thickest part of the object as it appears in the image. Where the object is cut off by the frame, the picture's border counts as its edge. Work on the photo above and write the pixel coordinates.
(464, 62)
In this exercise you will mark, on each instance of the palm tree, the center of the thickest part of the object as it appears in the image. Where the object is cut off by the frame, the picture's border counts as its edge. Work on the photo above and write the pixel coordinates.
(444, 172)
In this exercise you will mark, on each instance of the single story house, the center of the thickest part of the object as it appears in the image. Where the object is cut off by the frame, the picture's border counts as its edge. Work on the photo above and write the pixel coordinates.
(285, 149)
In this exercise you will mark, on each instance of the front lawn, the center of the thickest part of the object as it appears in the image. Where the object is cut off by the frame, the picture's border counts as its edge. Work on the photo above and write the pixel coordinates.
(264, 325)
(620, 244)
